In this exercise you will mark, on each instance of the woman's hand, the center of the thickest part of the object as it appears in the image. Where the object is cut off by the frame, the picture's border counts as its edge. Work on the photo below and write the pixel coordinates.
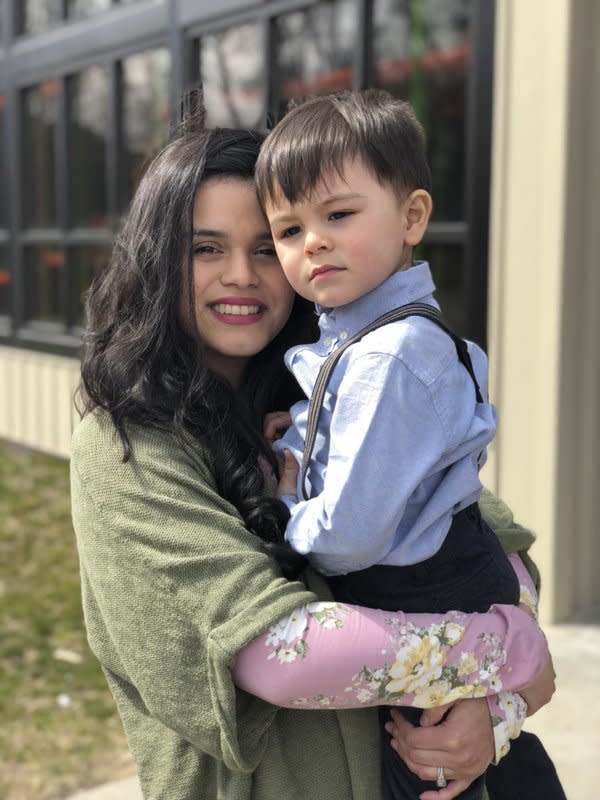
(275, 425)
(540, 692)
(463, 744)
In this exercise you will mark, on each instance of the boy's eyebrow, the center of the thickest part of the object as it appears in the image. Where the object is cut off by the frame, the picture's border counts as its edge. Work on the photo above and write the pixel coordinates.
(336, 198)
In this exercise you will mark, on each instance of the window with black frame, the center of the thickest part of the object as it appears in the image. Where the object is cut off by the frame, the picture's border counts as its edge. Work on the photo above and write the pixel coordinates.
(421, 53)
(84, 139)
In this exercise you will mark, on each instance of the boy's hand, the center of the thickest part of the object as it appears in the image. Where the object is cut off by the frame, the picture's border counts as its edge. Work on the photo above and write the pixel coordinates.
(275, 425)
(288, 469)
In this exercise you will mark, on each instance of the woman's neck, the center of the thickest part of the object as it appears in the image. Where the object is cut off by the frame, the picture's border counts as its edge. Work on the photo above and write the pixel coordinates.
(232, 369)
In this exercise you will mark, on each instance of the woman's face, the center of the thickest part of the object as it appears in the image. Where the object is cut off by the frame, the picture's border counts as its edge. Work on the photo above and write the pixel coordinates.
(242, 299)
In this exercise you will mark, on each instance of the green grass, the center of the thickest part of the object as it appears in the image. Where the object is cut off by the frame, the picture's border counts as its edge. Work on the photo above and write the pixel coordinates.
(58, 726)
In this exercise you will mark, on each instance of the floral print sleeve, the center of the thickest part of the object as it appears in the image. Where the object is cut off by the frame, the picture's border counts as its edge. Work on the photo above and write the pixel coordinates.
(341, 656)
(508, 710)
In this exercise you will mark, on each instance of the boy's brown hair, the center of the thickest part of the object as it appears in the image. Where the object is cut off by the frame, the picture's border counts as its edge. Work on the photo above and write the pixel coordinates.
(320, 133)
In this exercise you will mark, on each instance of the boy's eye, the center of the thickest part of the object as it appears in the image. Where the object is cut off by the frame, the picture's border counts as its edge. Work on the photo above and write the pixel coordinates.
(291, 231)
(340, 214)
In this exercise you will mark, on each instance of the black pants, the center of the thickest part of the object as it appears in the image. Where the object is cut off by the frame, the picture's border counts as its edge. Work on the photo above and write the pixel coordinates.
(468, 573)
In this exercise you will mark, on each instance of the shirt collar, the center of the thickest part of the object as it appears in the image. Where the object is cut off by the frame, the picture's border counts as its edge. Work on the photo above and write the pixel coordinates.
(408, 286)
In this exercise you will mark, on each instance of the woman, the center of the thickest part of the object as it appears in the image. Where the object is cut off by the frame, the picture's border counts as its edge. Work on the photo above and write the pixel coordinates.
(181, 545)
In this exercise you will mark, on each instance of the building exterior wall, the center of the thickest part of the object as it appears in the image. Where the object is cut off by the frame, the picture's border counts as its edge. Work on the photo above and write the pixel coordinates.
(543, 324)
(543, 293)
(36, 400)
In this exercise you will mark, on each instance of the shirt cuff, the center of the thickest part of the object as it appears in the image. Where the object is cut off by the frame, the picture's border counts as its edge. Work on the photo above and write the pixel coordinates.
(508, 711)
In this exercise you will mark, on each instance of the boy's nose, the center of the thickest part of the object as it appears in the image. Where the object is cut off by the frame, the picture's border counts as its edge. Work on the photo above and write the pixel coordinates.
(316, 241)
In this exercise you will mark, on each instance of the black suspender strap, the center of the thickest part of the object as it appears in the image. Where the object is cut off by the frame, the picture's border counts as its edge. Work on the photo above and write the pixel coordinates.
(318, 393)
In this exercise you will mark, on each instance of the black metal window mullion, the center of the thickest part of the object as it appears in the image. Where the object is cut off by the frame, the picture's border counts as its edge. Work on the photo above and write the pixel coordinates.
(114, 145)
(477, 178)
(61, 156)
(15, 207)
(362, 72)
(177, 75)
(270, 71)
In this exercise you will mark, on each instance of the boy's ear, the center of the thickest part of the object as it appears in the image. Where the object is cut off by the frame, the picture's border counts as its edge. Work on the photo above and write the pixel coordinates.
(416, 210)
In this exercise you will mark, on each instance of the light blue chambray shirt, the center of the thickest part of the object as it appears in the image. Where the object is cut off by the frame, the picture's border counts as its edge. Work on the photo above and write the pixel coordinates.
(401, 436)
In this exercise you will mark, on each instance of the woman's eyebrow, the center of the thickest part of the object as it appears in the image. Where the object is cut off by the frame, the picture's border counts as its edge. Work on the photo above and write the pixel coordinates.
(209, 232)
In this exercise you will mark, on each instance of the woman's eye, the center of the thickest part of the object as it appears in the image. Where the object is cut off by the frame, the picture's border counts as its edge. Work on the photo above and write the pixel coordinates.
(269, 252)
(205, 249)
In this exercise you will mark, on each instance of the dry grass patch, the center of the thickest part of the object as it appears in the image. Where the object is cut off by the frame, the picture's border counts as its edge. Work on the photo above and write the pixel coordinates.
(59, 730)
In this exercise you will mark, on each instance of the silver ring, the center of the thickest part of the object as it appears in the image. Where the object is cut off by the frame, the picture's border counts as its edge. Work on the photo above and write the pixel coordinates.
(441, 781)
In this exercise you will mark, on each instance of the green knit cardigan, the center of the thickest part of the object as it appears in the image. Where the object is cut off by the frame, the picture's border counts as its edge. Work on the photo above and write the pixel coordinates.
(173, 585)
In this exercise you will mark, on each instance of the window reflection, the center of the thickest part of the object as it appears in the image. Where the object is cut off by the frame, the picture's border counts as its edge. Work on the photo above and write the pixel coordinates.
(446, 261)
(88, 121)
(145, 112)
(5, 286)
(231, 69)
(43, 267)
(77, 9)
(35, 16)
(315, 50)
(85, 263)
(421, 51)
(40, 110)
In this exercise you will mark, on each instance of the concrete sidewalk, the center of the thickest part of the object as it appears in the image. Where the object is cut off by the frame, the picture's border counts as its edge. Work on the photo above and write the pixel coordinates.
(569, 726)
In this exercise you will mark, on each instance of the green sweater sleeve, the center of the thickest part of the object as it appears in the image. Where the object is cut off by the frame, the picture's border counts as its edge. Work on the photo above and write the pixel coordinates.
(513, 537)
(173, 586)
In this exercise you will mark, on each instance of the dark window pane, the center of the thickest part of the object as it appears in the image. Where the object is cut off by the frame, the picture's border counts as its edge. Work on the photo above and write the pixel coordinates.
(145, 111)
(446, 263)
(77, 9)
(40, 109)
(88, 114)
(43, 268)
(3, 166)
(315, 50)
(231, 68)
(84, 264)
(5, 287)
(421, 52)
(38, 15)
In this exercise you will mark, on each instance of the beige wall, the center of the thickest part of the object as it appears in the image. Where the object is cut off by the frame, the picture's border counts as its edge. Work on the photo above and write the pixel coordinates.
(36, 399)
(544, 287)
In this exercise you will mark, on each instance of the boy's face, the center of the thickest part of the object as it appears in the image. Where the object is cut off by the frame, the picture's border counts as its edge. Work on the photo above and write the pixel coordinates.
(345, 239)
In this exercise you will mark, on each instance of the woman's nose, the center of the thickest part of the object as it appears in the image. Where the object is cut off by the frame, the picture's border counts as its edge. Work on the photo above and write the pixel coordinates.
(240, 272)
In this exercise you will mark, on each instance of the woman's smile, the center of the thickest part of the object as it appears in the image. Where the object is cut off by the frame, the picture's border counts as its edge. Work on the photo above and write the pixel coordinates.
(238, 310)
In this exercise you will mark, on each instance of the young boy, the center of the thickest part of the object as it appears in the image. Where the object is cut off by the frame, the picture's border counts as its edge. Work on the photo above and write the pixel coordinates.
(395, 444)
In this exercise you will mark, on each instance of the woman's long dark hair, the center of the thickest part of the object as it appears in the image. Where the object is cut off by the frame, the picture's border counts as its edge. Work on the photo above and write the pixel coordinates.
(141, 367)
